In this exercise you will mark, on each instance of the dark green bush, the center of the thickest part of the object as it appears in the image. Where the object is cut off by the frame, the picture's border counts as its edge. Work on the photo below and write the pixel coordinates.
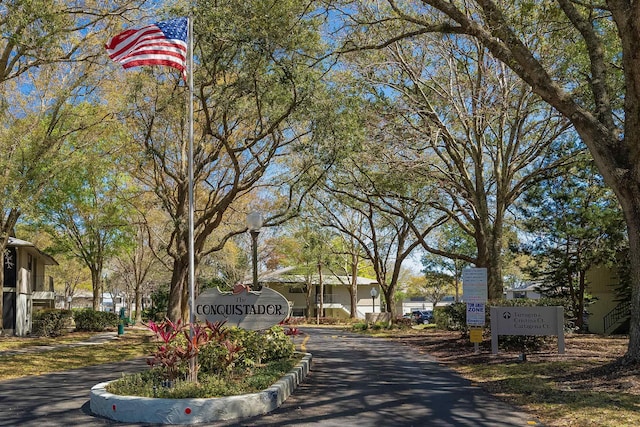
(360, 326)
(451, 317)
(51, 322)
(94, 321)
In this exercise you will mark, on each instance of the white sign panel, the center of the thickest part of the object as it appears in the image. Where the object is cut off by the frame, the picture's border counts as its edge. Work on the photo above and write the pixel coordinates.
(475, 314)
(545, 321)
(474, 285)
(253, 310)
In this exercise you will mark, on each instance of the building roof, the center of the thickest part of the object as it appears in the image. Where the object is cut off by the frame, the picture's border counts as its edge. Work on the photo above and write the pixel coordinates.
(528, 286)
(31, 248)
(328, 279)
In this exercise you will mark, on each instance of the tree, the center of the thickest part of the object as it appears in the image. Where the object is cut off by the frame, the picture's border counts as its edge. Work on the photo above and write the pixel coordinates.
(86, 214)
(581, 58)
(253, 79)
(449, 240)
(467, 123)
(385, 238)
(575, 223)
(306, 248)
(45, 73)
(137, 266)
(349, 258)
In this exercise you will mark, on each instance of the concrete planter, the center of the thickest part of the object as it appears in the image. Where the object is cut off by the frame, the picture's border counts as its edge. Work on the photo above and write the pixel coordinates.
(135, 409)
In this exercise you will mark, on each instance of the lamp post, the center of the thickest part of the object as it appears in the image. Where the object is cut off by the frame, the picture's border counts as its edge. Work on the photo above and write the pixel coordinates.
(254, 223)
(374, 294)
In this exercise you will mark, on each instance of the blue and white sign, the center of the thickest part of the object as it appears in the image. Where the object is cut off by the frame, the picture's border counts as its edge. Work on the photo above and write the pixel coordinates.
(475, 314)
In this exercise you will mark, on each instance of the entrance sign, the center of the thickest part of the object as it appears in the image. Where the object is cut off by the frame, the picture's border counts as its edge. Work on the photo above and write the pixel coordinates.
(253, 310)
(474, 285)
(543, 321)
(475, 314)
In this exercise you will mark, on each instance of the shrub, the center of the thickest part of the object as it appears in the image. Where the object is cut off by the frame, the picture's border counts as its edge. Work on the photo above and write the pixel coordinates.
(278, 346)
(262, 347)
(360, 326)
(94, 321)
(452, 317)
(51, 322)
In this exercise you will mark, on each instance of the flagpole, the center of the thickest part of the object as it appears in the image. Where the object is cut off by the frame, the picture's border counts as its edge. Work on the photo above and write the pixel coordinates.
(192, 362)
(191, 197)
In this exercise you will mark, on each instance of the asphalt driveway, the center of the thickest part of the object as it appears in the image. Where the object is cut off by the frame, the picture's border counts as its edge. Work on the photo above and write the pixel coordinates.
(355, 381)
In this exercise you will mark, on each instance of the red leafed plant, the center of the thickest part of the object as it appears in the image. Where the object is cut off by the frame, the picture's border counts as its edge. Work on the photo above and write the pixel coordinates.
(176, 350)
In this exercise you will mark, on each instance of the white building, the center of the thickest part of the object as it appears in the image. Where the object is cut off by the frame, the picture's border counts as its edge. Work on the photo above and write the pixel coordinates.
(26, 287)
(336, 300)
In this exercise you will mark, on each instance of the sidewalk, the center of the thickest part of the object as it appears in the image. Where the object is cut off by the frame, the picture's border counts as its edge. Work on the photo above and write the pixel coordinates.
(93, 340)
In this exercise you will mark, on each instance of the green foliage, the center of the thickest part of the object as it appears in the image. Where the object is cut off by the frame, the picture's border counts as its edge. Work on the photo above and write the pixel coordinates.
(452, 317)
(223, 354)
(51, 322)
(150, 384)
(220, 351)
(181, 343)
(589, 232)
(94, 321)
(159, 303)
(360, 326)
(262, 347)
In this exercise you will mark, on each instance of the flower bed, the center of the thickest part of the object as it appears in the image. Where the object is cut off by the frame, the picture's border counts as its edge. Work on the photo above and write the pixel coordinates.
(194, 411)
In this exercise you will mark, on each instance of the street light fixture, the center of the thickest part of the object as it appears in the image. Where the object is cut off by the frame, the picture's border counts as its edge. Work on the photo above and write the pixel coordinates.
(254, 223)
(374, 294)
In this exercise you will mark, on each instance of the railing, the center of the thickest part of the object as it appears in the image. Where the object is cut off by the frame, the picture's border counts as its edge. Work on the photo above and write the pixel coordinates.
(616, 316)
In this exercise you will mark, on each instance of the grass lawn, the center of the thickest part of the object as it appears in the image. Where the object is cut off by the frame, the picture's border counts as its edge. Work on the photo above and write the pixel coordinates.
(134, 343)
(14, 343)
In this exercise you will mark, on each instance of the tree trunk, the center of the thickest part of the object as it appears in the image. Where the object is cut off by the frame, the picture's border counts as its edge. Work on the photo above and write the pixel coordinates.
(179, 279)
(95, 283)
(631, 207)
(2, 249)
(580, 306)
(320, 313)
(6, 231)
(138, 303)
(307, 297)
(388, 296)
(353, 291)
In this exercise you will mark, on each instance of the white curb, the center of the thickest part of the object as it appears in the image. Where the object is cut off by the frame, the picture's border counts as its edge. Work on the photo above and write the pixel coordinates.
(194, 411)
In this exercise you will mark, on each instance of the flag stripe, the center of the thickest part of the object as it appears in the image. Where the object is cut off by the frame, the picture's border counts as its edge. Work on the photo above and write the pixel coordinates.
(163, 43)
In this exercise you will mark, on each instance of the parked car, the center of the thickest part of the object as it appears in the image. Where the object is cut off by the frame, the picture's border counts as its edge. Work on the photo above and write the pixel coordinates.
(422, 317)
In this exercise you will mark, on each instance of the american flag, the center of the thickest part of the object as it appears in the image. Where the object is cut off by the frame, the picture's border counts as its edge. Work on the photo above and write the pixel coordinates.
(162, 43)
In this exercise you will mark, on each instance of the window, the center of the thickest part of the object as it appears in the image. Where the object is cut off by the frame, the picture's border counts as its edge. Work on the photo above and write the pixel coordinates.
(519, 294)
(297, 312)
(297, 289)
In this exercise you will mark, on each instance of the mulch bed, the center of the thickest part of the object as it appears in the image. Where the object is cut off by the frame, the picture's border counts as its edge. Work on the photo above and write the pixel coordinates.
(590, 361)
